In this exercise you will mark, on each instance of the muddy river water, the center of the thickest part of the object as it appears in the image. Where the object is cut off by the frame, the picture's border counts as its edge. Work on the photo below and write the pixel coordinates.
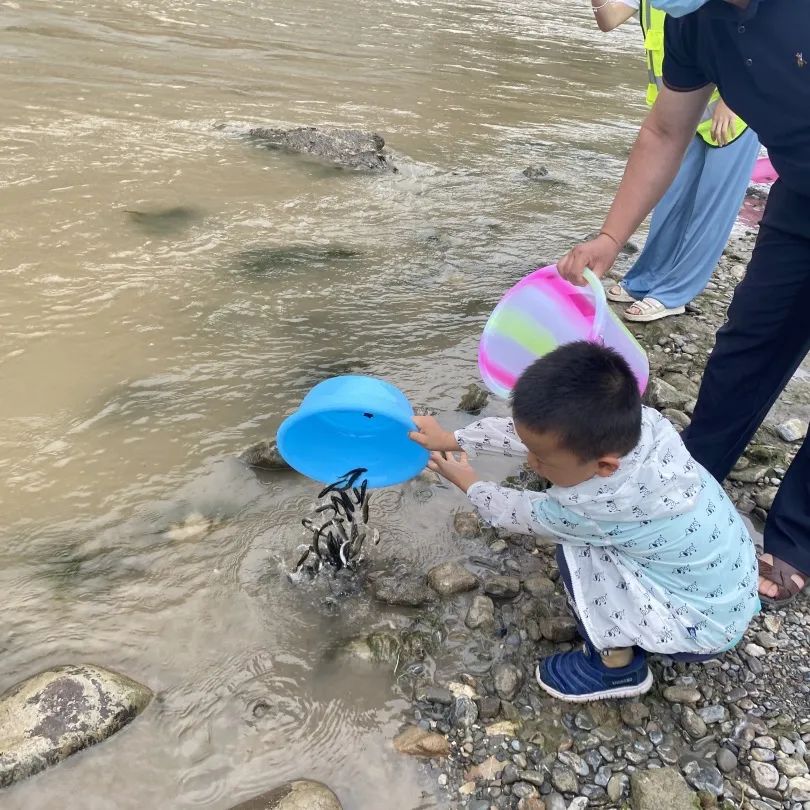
(139, 354)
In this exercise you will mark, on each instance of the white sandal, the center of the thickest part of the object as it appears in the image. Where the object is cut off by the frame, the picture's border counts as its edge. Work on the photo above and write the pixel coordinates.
(618, 294)
(650, 309)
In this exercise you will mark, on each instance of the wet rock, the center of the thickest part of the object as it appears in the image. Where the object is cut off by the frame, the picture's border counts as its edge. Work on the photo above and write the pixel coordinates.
(539, 586)
(301, 794)
(750, 475)
(436, 694)
(264, 456)
(799, 789)
(488, 707)
(726, 760)
(474, 399)
(502, 587)
(403, 591)
(50, 716)
(677, 418)
(649, 787)
(465, 712)
(704, 777)
(791, 767)
(488, 770)
(558, 628)
(418, 742)
(682, 694)
(794, 430)
(347, 148)
(379, 647)
(564, 779)
(467, 524)
(763, 775)
(508, 679)
(481, 613)
(713, 714)
(617, 787)
(535, 173)
(529, 803)
(661, 395)
(764, 498)
(162, 221)
(449, 578)
(692, 723)
(633, 713)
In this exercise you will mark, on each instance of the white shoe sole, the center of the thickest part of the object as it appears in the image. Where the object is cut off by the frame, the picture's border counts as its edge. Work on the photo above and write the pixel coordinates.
(656, 315)
(626, 692)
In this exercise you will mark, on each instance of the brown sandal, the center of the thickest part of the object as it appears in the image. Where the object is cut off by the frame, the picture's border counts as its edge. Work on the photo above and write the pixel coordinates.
(781, 574)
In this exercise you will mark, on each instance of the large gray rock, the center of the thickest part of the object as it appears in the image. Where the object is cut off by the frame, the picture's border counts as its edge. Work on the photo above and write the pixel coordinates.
(50, 716)
(451, 577)
(265, 456)
(301, 794)
(348, 148)
(408, 591)
(661, 787)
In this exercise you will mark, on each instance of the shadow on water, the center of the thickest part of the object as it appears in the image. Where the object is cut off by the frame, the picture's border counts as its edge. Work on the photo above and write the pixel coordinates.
(274, 261)
(163, 221)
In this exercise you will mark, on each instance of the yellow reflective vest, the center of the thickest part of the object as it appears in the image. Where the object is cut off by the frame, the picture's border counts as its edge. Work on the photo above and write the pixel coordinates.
(652, 24)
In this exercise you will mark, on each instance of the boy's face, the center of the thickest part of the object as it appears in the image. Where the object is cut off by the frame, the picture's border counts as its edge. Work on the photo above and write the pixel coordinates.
(560, 466)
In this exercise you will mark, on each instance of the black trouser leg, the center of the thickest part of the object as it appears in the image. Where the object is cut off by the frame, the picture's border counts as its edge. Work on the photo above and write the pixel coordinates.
(758, 350)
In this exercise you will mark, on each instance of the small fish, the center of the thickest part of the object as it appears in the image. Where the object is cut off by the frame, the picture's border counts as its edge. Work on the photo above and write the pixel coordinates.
(363, 489)
(366, 503)
(341, 531)
(347, 504)
(375, 536)
(352, 476)
(324, 508)
(303, 558)
(342, 553)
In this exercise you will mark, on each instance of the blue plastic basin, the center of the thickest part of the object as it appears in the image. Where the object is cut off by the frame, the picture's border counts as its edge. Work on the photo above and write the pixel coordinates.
(349, 422)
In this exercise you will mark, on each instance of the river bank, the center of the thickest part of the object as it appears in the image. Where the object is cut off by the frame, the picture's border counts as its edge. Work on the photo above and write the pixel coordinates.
(729, 733)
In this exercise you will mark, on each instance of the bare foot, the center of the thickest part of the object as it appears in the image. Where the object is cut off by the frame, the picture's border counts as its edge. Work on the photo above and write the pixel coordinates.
(771, 589)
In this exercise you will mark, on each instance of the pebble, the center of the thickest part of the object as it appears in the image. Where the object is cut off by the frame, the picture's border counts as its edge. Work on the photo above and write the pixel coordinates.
(794, 430)
(766, 640)
(508, 679)
(754, 650)
(791, 767)
(502, 587)
(633, 713)
(617, 787)
(682, 694)
(713, 714)
(580, 803)
(762, 755)
(763, 775)
(574, 762)
(704, 777)
(564, 779)
(481, 613)
(726, 760)
(692, 723)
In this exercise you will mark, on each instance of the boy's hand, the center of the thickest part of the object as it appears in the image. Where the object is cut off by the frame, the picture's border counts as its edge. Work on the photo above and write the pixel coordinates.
(432, 436)
(457, 471)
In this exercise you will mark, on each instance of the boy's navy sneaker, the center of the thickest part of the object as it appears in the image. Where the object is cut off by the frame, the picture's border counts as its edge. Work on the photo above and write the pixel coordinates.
(580, 676)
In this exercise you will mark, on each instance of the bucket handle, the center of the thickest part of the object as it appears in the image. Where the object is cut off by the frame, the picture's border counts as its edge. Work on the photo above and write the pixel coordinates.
(600, 306)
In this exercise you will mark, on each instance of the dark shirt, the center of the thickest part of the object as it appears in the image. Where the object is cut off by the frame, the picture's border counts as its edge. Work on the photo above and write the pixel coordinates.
(759, 58)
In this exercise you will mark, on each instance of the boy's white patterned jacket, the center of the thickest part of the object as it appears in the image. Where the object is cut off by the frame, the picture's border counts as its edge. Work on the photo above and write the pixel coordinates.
(657, 553)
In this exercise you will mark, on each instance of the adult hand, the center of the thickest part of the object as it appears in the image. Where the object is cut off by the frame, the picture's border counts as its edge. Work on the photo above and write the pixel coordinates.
(431, 435)
(724, 123)
(457, 471)
(599, 255)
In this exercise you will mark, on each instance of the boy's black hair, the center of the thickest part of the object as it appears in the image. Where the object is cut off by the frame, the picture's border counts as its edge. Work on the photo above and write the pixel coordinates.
(586, 395)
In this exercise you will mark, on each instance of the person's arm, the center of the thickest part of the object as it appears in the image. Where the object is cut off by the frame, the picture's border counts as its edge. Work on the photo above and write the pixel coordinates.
(653, 164)
(611, 14)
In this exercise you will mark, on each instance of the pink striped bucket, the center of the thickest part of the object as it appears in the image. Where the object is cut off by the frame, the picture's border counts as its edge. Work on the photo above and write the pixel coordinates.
(543, 311)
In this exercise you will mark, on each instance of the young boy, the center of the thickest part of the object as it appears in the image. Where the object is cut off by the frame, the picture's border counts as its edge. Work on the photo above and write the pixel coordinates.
(651, 550)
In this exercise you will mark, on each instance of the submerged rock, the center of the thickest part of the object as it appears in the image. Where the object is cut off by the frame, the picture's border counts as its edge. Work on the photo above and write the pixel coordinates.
(264, 456)
(467, 524)
(161, 221)
(403, 591)
(420, 743)
(474, 399)
(50, 716)
(481, 614)
(300, 794)
(348, 148)
(450, 577)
